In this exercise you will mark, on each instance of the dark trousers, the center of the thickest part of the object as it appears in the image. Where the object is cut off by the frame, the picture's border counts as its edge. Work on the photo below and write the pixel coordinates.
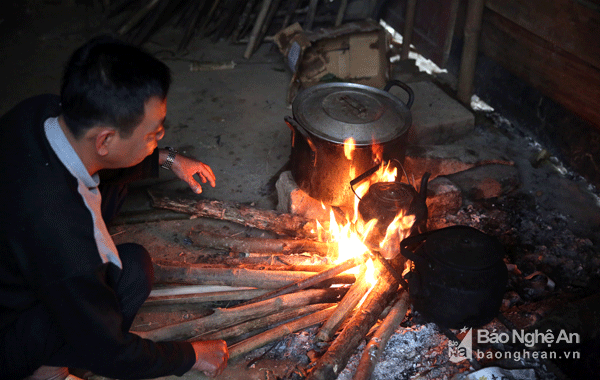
(35, 339)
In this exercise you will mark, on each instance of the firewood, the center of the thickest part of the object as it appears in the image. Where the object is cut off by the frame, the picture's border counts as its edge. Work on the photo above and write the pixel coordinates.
(278, 332)
(312, 280)
(280, 223)
(261, 323)
(344, 308)
(335, 359)
(254, 244)
(254, 42)
(232, 295)
(194, 274)
(377, 343)
(223, 318)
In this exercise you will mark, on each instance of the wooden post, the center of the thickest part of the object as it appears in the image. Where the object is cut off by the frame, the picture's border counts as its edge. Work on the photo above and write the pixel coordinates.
(468, 60)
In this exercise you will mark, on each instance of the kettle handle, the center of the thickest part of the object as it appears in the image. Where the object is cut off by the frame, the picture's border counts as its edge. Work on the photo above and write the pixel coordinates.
(405, 87)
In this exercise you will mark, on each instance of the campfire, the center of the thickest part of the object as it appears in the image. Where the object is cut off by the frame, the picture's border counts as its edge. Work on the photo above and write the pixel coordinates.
(347, 295)
(338, 281)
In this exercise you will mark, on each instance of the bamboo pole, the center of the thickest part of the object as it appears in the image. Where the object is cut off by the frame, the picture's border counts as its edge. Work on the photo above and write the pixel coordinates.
(261, 323)
(409, 25)
(341, 12)
(468, 60)
(253, 42)
(222, 318)
(335, 359)
(377, 343)
(133, 21)
(344, 308)
(278, 332)
(312, 280)
(310, 18)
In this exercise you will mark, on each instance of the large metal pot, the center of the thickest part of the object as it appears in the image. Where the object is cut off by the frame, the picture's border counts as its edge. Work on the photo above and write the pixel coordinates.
(459, 276)
(327, 115)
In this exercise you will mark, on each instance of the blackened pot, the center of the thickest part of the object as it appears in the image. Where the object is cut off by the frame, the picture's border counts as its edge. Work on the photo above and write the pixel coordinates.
(328, 115)
(459, 276)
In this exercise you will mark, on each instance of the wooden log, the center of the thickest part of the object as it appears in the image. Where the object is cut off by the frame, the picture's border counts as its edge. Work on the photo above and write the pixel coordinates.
(344, 308)
(194, 274)
(261, 323)
(312, 280)
(222, 318)
(335, 359)
(188, 299)
(193, 289)
(238, 243)
(278, 332)
(377, 343)
(280, 223)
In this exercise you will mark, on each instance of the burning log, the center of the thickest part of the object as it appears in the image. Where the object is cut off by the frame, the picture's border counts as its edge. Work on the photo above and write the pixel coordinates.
(261, 323)
(223, 318)
(312, 280)
(344, 308)
(259, 245)
(278, 332)
(194, 274)
(280, 223)
(377, 344)
(335, 359)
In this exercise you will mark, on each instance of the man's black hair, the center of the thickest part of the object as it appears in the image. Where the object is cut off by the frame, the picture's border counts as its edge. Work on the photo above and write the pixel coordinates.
(107, 81)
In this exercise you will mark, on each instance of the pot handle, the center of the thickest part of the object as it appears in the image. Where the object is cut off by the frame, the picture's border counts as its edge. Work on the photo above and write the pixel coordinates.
(413, 240)
(362, 177)
(294, 126)
(405, 87)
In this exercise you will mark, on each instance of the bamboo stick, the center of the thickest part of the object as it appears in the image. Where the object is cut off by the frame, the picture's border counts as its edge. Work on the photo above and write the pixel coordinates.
(255, 244)
(377, 343)
(278, 332)
(335, 359)
(261, 323)
(280, 223)
(341, 12)
(344, 308)
(222, 318)
(312, 280)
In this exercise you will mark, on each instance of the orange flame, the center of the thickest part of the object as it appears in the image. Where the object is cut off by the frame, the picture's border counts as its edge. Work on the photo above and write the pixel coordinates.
(349, 147)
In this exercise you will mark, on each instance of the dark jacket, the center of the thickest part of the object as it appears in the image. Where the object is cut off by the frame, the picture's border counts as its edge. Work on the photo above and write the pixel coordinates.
(48, 254)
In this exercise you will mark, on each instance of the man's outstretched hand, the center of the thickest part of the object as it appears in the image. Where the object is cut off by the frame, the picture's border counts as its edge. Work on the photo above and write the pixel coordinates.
(185, 168)
(211, 357)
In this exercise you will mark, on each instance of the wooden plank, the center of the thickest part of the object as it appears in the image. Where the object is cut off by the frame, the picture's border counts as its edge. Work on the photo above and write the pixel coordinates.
(558, 74)
(573, 26)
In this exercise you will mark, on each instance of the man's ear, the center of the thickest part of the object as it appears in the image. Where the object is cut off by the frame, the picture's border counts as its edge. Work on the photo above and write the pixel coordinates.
(103, 140)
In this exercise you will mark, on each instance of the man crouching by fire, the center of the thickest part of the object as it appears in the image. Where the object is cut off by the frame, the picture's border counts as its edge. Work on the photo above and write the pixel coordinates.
(68, 295)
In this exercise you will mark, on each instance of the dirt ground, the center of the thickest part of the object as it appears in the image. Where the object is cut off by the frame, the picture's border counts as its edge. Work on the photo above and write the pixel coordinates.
(233, 121)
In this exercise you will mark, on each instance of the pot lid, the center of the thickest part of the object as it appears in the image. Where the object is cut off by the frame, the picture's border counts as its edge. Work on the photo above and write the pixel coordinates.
(463, 247)
(337, 111)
